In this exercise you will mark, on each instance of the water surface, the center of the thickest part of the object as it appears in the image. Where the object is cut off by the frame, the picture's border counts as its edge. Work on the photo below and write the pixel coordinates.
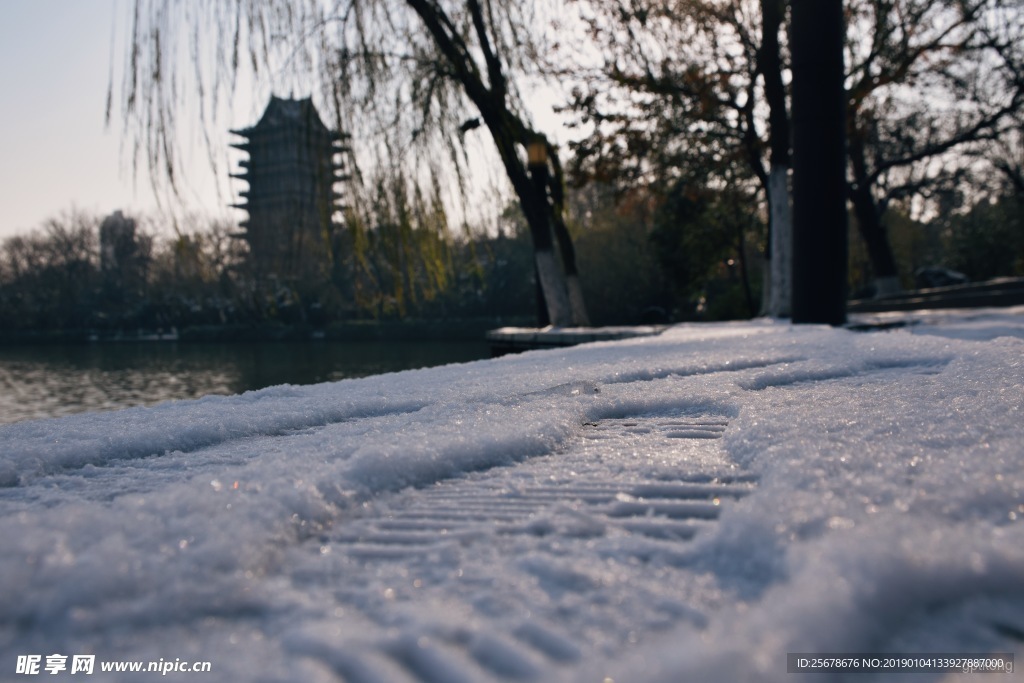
(53, 380)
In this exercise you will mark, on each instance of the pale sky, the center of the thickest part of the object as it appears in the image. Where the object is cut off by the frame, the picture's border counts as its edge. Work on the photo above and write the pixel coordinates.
(57, 154)
(55, 151)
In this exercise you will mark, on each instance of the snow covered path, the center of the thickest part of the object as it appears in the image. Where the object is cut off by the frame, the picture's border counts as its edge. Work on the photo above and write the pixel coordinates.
(686, 507)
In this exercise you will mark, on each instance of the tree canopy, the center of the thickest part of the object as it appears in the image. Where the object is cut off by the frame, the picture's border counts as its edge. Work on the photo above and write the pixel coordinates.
(671, 101)
(934, 93)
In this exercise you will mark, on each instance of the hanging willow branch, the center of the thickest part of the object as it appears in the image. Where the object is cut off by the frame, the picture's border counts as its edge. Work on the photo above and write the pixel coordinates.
(402, 77)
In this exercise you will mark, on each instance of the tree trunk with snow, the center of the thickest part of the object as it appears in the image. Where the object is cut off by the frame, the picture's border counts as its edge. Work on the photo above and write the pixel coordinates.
(552, 285)
(574, 289)
(538, 216)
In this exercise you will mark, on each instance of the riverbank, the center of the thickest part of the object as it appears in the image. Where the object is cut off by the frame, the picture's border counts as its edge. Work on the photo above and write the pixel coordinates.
(459, 329)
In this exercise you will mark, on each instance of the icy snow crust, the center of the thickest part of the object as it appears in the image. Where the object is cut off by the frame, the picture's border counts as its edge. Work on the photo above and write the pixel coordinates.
(686, 507)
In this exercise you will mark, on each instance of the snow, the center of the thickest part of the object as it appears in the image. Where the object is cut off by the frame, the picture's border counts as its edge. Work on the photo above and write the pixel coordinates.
(691, 506)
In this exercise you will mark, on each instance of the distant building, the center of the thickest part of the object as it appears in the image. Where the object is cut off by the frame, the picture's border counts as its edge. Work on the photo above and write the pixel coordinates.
(293, 166)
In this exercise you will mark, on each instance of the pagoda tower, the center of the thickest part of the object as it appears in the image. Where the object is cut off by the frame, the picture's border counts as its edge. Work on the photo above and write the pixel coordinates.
(293, 166)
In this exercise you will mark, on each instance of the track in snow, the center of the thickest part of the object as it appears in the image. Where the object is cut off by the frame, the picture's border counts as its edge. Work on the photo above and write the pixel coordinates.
(510, 574)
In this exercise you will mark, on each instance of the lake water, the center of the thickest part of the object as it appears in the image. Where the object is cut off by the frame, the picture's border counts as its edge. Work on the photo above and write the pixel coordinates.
(53, 380)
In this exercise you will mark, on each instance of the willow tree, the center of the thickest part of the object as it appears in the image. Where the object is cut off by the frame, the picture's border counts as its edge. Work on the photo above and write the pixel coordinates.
(411, 80)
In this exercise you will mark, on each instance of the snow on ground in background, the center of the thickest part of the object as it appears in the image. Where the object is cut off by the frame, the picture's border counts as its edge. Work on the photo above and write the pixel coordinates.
(978, 324)
(686, 507)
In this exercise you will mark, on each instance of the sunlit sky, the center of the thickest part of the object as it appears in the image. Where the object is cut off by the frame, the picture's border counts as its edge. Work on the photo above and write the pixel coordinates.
(56, 153)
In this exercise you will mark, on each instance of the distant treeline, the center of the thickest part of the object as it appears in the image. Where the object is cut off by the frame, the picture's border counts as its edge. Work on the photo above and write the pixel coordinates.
(643, 258)
(75, 273)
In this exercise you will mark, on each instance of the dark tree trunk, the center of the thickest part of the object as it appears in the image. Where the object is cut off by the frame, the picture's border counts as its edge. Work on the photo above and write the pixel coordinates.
(876, 239)
(819, 163)
(741, 257)
(869, 221)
